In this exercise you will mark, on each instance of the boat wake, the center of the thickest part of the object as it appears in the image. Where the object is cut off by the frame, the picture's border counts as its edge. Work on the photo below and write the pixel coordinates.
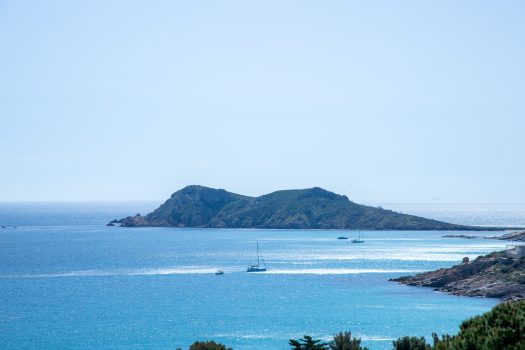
(135, 272)
(202, 270)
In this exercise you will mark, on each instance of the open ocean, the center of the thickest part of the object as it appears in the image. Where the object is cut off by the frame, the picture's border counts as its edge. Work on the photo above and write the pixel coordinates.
(69, 282)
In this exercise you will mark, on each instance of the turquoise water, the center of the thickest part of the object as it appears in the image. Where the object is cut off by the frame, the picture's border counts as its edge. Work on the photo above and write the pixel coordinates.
(71, 282)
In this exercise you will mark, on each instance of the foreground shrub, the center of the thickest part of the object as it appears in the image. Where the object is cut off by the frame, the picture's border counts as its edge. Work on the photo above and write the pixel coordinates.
(411, 343)
(502, 328)
(208, 345)
(308, 343)
(344, 341)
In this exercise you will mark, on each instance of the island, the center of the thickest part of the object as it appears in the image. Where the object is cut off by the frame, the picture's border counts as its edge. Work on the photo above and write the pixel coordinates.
(312, 208)
(496, 275)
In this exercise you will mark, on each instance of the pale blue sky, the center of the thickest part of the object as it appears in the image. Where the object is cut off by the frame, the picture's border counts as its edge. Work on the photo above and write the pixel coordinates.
(379, 100)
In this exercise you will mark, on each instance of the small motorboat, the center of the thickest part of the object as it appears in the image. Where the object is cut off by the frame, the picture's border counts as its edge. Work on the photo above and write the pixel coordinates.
(219, 272)
(342, 237)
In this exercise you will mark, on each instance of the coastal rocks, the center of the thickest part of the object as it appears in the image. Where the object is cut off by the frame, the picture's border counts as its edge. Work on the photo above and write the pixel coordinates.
(132, 221)
(493, 276)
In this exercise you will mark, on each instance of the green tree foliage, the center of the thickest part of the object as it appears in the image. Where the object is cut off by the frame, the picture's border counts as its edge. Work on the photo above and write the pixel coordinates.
(307, 343)
(503, 328)
(208, 345)
(411, 343)
(344, 341)
(440, 342)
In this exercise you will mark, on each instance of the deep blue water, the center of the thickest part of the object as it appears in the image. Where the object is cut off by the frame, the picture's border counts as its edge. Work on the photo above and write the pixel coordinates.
(68, 281)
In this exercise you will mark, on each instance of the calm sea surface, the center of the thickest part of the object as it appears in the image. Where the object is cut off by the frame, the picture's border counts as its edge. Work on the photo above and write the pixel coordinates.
(69, 282)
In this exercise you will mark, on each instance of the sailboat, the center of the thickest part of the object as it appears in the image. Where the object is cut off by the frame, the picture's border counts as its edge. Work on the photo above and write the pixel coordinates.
(358, 240)
(257, 268)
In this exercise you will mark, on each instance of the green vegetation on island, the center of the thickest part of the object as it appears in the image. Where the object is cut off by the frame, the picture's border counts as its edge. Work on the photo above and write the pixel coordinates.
(312, 208)
(502, 328)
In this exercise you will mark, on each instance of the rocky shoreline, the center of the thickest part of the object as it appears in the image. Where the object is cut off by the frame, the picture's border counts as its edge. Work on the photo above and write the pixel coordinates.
(491, 276)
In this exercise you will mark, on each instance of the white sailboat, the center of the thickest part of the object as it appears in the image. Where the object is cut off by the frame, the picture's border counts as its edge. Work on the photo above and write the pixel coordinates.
(359, 239)
(257, 268)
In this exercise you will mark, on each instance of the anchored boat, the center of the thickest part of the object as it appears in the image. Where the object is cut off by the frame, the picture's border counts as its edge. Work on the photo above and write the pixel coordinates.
(257, 268)
(359, 239)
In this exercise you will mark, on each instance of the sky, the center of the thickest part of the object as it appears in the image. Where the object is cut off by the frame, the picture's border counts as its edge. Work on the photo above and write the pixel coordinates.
(407, 101)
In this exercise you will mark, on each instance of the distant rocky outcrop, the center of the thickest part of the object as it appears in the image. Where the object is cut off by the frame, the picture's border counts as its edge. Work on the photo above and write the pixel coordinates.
(513, 236)
(312, 208)
(463, 236)
(493, 276)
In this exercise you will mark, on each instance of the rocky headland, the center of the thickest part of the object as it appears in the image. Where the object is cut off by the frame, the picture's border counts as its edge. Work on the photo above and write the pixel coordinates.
(312, 208)
(493, 276)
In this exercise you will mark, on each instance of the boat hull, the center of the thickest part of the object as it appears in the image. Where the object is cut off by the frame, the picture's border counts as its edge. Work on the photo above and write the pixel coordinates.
(255, 269)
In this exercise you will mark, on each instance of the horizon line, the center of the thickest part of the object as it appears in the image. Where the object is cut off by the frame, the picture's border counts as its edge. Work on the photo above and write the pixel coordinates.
(365, 201)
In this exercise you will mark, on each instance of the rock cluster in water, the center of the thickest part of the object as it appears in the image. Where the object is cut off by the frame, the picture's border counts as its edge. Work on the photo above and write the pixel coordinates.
(513, 236)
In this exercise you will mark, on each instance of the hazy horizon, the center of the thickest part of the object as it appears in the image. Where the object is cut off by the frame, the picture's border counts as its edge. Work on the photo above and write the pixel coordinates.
(367, 201)
(381, 101)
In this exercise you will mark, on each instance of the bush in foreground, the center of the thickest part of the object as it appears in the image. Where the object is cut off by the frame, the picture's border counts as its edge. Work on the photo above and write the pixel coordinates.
(208, 345)
(502, 328)
(340, 341)
(307, 343)
(344, 341)
(411, 343)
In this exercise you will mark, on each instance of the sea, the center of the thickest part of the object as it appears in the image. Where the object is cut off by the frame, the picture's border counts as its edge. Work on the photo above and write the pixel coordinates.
(67, 281)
